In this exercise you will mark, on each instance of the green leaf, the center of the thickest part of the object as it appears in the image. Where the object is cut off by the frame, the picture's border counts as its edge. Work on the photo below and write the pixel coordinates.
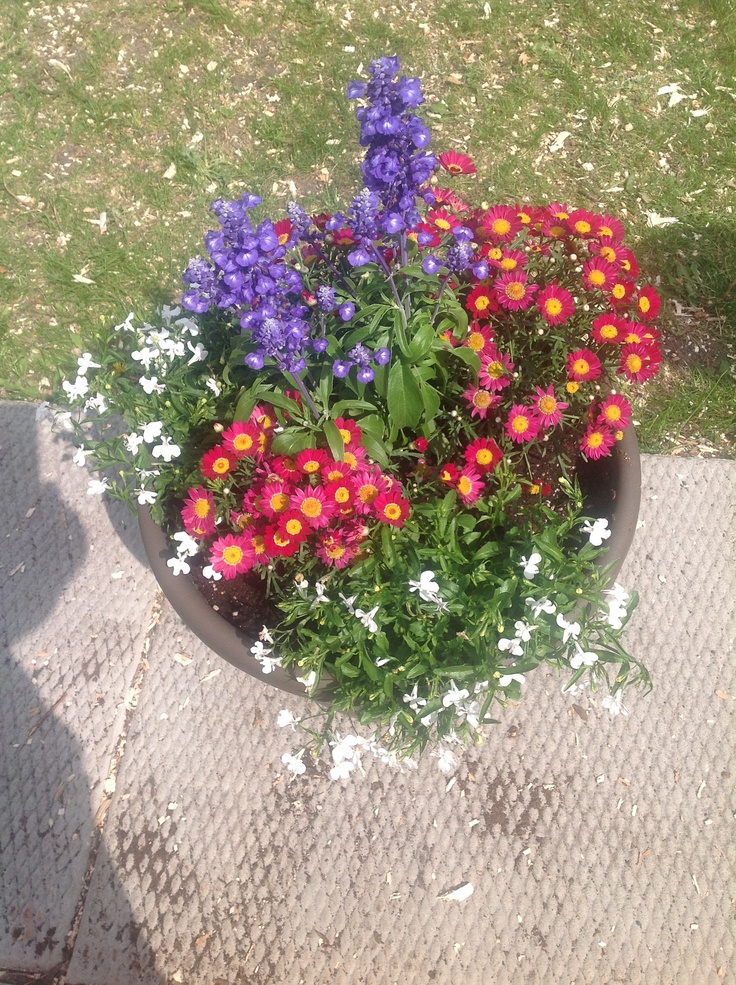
(352, 404)
(421, 343)
(376, 449)
(246, 403)
(431, 399)
(416, 671)
(467, 355)
(279, 400)
(334, 440)
(292, 441)
(405, 404)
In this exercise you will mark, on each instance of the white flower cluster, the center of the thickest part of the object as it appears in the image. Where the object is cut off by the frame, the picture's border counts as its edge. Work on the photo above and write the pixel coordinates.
(186, 547)
(262, 653)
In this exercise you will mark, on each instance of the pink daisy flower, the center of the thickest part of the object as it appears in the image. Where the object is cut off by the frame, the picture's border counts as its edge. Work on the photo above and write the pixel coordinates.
(314, 506)
(231, 555)
(469, 485)
(496, 369)
(615, 411)
(522, 424)
(456, 163)
(513, 292)
(241, 439)
(597, 441)
(555, 304)
(480, 401)
(583, 365)
(483, 454)
(648, 302)
(639, 362)
(548, 407)
(599, 274)
(608, 328)
(501, 224)
(274, 499)
(198, 513)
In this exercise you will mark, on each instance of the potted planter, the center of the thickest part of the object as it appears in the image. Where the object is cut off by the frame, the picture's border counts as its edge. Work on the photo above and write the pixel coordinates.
(612, 489)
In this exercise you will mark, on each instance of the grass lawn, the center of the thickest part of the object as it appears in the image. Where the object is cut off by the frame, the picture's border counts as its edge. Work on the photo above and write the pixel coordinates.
(118, 130)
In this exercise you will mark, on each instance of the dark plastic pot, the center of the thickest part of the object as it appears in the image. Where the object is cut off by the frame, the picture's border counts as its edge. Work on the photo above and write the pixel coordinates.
(612, 489)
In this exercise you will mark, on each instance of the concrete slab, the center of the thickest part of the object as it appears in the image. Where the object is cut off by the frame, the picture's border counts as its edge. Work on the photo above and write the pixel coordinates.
(600, 848)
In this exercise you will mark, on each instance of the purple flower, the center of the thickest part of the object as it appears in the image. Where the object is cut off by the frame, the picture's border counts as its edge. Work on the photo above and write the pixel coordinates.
(326, 298)
(254, 360)
(341, 368)
(382, 357)
(431, 265)
(320, 345)
(346, 310)
(365, 374)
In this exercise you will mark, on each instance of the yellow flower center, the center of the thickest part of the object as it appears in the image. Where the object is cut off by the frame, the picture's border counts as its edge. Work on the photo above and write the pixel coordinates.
(243, 442)
(484, 456)
(392, 511)
(595, 440)
(520, 424)
(515, 291)
(201, 508)
(482, 302)
(633, 362)
(442, 224)
(644, 305)
(495, 254)
(608, 331)
(605, 231)
(581, 367)
(367, 493)
(548, 405)
(597, 278)
(279, 502)
(619, 291)
(311, 507)
(582, 227)
(464, 485)
(572, 386)
(350, 459)
(508, 263)
(342, 495)
(259, 544)
(553, 306)
(345, 435)
(557, 232)
(612, 413)
(232, 555)
(476, 341)
(607, 253)
(294, 527)
(501, 227)
(311, 466)
(221, 465)
(336, 551)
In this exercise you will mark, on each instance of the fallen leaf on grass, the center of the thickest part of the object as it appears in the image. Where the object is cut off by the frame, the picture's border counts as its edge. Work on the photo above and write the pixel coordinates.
(170, 172)
(559, 141)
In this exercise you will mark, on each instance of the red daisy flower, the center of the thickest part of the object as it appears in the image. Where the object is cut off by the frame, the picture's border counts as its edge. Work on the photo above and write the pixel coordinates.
(335, 551)
(608, 328)
(481, 301)
(648, 302)
(356, 458)
(501, 224)
(279, 543)
(481, 401)
(597, 441)
(286, 467)
(198, 512)
(621, 291)
(479, 339)
(311, 460)
(241, 439)
(639, 362)
(509, 260)
(449, 473)
(609, 250)
(442, 221)
(445, 196)
(555, 304)
(263, 416)
(555, 210)
(630, 265)
(283, 230)
(231, 555)
(314, 506)
(483, 455)
(350, 432)
(496, 369)
(599, 274)
(615, 411)
(469, 485)
(391, 508)
(548, 407)
(294, 525)
(342, 237)
(522, 424)
(608, 227)
(636, 332)
(217, 463)
(513, 291)
(581, 223)
(456, 163)
(341, 493)
(583, 365)
(554, 228)
(368, 485)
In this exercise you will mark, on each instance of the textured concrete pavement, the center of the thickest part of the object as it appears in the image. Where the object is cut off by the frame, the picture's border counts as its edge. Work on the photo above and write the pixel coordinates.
(148, 834)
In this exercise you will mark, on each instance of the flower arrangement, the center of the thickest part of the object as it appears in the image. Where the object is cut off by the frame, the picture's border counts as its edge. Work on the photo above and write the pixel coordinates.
(379, 416)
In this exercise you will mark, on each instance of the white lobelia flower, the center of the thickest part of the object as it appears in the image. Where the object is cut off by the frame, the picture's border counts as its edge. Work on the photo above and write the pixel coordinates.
(146, 497)
(209, 572)
(455, 696)
(79, 388)
(506, 679)
(259, 651)
(447, 761)
(269, 664)
(265, 636)
(133, 442)
(513, 646)
(151, 431)
(85, 362)
(301, 585)
(97, 403)
(367, 618)
(530, 565)
(426, 586)
(80, 455)
(166, 450)
(214, 386)
(125, 326)
(152, 385)
(63, 420)
(96, 487)
(583, 658)
(541, 605)
(309, 681)
(348, 602)
(614, 704)
(178, 565)
(145, 356)
(413, 699)
(321, 598)
(186, 546)
(286, 718)
(293, 764)
(598, 531)
(199, 353)
(523, 630)
(568, 628)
